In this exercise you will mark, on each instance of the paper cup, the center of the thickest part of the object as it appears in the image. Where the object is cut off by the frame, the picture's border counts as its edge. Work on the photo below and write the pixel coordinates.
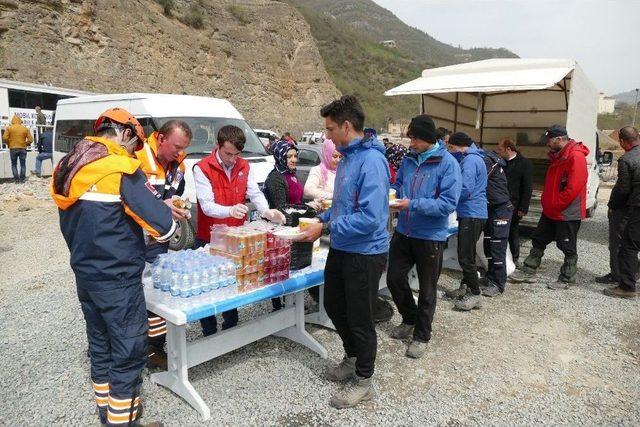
(392, 194)
(305, 222)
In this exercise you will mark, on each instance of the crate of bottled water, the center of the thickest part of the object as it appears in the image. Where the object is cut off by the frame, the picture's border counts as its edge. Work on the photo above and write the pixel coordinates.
(191, 273)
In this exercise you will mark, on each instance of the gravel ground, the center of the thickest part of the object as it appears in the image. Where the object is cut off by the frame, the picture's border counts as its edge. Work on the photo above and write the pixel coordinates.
(532, 356)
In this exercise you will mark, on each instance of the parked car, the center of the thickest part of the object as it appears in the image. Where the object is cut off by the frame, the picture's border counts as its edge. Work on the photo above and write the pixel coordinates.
(308, 157)
(311, 138)
(264, 135)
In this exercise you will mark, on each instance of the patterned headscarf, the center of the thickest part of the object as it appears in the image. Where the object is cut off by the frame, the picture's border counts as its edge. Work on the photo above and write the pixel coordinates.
(394, 154)
(280, 150)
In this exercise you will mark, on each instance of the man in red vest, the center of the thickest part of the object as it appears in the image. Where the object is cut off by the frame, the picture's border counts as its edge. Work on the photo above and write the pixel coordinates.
(224, 181)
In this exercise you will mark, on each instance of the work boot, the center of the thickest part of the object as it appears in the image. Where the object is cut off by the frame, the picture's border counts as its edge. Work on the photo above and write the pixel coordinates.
(560, 284)
(343, 371)
(607, 279)
(416, 349)
(619, 292)
(457, 293)
(156, 358)
(523, 277)
(359, 391)
(401, 332)
(469, 302)
(518, 264)
(569, 269)
(491, 291)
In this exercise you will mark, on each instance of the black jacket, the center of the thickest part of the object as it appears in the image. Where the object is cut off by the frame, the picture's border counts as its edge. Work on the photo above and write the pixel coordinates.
(497, 188)
(626, 192)
(276, 190)
(520, 180)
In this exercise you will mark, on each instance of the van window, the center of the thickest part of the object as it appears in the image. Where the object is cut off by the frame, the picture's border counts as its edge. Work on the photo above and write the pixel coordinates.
(205, 131)
(70, 132)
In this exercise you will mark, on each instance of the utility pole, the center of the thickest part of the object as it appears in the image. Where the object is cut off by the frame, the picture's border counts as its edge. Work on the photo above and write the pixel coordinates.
(635, 108)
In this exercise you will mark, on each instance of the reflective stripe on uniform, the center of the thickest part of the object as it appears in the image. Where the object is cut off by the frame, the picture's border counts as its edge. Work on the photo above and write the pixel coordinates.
(169, 234)
(101, 394)
(150, 157)
(100, 197)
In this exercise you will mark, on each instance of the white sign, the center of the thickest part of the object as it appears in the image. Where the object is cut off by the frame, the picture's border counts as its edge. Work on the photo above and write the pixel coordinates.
(29, 115)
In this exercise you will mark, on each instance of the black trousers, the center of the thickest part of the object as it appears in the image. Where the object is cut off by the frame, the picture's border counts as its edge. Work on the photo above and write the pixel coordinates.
(514, 236)
(350, 290)
(564, 233)
(628, 251)
(617, 222)
(469, 230)
(496, 235)
(426, 255)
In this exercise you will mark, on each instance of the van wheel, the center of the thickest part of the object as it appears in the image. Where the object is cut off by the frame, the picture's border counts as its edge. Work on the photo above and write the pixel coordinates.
(184, 237)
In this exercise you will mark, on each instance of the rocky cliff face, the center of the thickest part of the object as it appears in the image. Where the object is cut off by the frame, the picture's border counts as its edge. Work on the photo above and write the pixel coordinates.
(259, 54)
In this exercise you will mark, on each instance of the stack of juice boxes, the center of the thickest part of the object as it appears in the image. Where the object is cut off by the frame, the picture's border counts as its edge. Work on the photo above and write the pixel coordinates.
(260, 257)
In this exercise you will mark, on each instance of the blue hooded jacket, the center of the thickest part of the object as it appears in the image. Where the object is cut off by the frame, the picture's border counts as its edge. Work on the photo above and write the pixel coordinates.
(473, 198)
(360, 208)
(433, 188)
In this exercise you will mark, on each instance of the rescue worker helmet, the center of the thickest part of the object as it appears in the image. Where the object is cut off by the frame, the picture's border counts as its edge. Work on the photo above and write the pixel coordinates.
(122, 117)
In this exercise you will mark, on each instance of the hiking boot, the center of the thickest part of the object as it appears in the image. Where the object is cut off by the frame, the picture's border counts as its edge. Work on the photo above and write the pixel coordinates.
(457, 293)
(491, 291)
(359, 391)
(157, 359)
(558, 285)
(523, 277)
(343, 371)
(401, 332)
(518, 264)
(416, 349)
(619, 292)
(607, 279)
(469, 302)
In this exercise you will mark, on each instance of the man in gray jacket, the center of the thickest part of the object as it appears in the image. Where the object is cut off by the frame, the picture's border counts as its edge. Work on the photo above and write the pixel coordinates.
(626, 195)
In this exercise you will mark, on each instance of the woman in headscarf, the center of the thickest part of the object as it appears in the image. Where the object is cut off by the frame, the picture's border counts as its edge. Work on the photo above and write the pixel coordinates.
(319, 185)
(282, 187)
(394, 154)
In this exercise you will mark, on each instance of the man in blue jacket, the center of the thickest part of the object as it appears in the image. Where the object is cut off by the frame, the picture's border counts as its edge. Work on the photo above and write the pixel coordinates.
(428, 184)
(357, 223)
(472, 214)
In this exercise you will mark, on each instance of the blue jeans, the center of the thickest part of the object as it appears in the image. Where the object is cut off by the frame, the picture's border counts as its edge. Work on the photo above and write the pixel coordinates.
(40, 158)
(15, 154)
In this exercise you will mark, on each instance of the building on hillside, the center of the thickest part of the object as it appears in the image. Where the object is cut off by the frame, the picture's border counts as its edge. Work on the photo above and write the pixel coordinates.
(398, 127)
(606, 104)
(389, 43)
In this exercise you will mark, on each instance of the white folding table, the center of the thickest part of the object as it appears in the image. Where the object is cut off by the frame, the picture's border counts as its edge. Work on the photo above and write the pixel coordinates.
(289, 322)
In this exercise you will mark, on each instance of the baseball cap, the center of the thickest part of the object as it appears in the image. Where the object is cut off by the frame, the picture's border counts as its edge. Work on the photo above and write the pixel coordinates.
(553, 132)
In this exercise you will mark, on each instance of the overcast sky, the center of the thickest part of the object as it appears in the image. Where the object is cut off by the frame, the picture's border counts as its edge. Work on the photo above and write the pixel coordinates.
(602, 35)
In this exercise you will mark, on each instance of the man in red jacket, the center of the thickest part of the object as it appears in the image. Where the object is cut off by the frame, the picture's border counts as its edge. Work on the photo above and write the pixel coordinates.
(224, 181)
(563, 207)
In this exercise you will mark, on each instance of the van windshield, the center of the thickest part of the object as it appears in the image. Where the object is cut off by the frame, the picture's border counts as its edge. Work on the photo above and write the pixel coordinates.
(205, 131)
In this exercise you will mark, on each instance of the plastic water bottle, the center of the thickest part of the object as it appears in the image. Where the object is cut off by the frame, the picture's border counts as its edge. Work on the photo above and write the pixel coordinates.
(230, 278)
(156, 273)
(175, 282)
(196, 281)
(214, 276)
(165, 278)
(204, 279)
(186, 283)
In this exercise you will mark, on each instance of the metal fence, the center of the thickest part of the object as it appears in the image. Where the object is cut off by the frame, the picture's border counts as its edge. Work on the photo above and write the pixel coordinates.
(36, 131)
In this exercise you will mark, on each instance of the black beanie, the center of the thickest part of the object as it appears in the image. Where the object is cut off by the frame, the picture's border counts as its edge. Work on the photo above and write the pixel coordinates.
(461, 139)
(422, 127)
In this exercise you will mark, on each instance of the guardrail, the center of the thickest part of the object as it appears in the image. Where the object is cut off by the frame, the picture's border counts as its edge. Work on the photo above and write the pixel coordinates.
(36, 131)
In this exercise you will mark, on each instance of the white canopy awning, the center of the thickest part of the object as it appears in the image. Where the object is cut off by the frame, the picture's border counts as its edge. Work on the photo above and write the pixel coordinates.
(491, 75)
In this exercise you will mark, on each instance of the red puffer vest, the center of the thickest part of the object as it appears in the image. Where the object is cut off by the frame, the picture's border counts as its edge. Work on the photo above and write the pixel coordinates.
(225, 192)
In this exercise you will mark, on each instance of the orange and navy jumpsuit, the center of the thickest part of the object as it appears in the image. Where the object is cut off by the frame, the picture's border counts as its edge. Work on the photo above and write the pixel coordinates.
(105, 202)
(167, 183)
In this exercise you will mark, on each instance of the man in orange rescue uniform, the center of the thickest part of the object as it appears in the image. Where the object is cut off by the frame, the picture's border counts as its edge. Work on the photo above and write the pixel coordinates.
(105, 202)
(161, 160)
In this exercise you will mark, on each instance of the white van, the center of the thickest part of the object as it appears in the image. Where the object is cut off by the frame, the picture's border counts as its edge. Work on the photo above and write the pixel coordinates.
(264, 135)
(75, 117)
(517, 98)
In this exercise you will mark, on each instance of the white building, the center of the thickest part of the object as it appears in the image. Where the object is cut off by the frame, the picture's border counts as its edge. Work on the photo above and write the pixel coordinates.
(606, 104)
